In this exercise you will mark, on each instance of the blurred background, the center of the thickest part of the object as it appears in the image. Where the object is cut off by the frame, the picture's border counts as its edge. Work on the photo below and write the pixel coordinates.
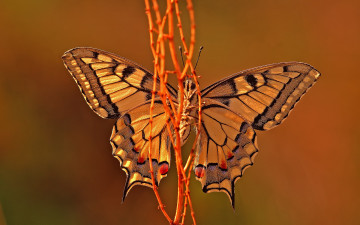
(56, 165)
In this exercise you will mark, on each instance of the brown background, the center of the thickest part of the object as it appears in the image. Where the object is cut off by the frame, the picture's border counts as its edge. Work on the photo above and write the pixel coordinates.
(56, 165)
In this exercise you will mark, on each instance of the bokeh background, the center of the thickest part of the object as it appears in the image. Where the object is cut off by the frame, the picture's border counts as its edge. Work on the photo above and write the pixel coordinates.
(56, 165)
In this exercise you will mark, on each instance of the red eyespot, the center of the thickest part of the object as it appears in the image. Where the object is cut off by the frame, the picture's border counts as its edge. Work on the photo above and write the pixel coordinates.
(136, 149)
(164, 168)
(141, 159)
(199, 171)
(230, 155)
(223, 165)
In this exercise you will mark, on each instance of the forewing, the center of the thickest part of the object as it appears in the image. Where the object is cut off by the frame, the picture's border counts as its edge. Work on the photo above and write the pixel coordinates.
(265, 95)
(225, 148)
(109, 83)
(130, 143)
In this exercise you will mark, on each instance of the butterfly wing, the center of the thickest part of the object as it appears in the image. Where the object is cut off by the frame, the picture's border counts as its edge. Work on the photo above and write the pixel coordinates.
(264, 95)
(130, 143)
(109, 83)
(258, 98)
(225, 148)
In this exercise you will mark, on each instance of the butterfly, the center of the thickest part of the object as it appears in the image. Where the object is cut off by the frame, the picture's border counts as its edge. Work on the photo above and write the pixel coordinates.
(232, 109)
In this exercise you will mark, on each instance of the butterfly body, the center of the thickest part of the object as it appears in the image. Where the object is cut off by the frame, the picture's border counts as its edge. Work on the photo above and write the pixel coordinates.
(190, 104)
(232, 109)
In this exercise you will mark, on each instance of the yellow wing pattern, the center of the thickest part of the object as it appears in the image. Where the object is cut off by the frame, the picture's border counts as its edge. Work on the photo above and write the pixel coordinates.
(109, 83)
(265, 95)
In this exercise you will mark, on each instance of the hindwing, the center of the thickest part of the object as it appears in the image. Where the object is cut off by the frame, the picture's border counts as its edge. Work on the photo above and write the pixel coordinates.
(130, 143)
(225, 148)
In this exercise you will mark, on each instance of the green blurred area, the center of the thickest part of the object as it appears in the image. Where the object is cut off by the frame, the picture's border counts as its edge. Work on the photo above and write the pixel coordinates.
(56, 165)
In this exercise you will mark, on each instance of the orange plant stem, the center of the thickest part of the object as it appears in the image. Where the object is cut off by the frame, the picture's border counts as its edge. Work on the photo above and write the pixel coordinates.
(177, 147)
(175, 113)
(189, 54)
(155, 53)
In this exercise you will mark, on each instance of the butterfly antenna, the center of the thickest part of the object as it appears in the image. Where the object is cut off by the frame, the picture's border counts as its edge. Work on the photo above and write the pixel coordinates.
(181, 53)
(201, 48)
